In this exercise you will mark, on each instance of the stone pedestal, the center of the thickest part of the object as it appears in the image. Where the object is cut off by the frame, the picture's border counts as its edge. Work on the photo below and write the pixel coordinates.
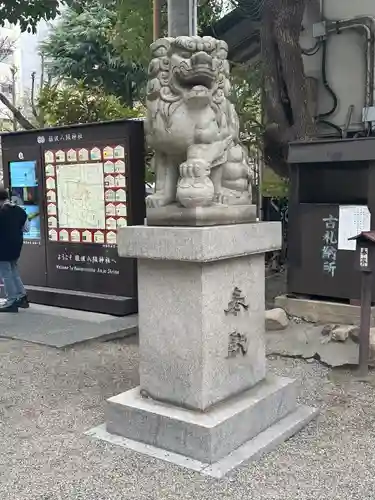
(203, 388)
(175, 215)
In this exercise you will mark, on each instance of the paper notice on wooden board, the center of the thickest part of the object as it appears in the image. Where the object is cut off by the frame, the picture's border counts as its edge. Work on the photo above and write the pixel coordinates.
(353, 219)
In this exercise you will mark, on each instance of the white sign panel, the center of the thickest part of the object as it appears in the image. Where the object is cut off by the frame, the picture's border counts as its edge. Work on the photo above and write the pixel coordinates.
(353, 219)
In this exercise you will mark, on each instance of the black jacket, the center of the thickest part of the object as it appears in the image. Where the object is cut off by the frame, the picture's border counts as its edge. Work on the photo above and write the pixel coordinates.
(12, 221)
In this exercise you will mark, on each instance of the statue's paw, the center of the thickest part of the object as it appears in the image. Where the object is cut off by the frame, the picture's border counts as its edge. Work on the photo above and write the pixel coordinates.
(194, 167)
(221, 198)
(186, 170)
(156, 201)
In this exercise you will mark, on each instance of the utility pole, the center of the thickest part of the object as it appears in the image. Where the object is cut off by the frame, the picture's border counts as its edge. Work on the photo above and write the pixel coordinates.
(182, 17)
(13, 71)
(157, 19)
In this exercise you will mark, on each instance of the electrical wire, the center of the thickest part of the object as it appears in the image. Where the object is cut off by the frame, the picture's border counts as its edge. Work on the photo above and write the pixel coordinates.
(250, 8)
(332, 125)
(326, 84)
(311, 52)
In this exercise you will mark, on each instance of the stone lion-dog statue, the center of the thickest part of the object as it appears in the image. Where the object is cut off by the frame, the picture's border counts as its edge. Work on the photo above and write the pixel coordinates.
(193, 127)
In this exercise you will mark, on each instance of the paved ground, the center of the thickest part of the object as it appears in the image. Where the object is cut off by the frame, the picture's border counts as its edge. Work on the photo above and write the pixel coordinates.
(50, 397)
(58, 327)
(305, 341)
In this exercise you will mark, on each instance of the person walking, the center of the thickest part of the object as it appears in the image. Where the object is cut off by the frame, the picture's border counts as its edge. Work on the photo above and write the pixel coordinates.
(13, 223)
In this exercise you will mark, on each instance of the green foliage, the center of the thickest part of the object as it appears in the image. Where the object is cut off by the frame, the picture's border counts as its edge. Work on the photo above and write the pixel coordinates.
(246, 96)
(133, 33)
(274, 186)
(105, 43)
(209, 12)
(27, 12)
(81, 48)
(76, 103)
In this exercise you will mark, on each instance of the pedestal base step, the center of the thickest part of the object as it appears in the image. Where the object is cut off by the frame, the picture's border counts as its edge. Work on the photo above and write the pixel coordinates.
(204, 436)
(252, 450)
(174, 215)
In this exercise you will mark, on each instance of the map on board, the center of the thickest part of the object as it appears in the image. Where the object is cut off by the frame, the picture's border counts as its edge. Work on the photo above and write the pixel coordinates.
(80, 192)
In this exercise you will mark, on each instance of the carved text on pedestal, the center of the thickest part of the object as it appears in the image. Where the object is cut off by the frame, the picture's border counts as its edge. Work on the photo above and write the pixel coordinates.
(236, 303)
(237, 344)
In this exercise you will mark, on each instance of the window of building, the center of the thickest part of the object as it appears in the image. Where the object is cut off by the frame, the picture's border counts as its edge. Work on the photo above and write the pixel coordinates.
(6, 88)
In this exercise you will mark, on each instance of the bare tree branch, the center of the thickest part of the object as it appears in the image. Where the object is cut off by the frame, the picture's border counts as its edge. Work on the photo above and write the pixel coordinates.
(33, 107)
(6, 48)
(22, 120)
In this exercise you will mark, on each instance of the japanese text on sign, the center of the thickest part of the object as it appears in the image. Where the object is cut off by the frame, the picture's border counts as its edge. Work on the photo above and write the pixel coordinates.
(363, 257)
(86, 263)
(41, 139)
(83, 258)
(329, 249)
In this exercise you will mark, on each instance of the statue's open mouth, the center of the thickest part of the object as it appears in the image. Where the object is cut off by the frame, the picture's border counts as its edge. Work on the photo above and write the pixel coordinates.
(198, 75)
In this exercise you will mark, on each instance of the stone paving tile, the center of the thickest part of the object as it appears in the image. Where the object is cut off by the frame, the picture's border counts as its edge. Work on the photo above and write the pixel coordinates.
(59, 329)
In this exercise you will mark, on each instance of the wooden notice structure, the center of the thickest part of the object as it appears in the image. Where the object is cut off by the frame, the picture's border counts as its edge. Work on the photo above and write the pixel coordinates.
(365, 263)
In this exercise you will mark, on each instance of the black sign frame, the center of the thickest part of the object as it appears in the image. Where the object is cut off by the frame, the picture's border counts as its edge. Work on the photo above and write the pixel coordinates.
(87, 276)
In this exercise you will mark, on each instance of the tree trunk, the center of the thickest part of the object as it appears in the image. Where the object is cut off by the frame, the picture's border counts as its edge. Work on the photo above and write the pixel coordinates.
(287, 107)
(274, 109)
(288, 23)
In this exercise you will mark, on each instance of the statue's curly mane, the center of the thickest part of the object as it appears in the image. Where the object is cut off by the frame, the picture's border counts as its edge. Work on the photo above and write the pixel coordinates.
(164, 96)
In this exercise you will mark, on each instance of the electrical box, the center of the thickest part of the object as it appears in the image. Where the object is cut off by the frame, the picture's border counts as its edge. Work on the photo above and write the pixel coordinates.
(343, 65)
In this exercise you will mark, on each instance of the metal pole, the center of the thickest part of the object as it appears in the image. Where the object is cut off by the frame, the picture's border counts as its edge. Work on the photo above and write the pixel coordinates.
(364, 331)
(260, 182)
(157, 19)
(13, 71)
(182, 17)
(193, 17)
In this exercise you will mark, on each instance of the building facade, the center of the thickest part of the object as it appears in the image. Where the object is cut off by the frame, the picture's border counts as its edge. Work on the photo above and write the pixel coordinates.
(19, 59)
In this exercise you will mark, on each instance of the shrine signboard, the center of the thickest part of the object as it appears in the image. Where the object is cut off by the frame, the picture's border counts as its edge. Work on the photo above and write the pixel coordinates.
(78, 185)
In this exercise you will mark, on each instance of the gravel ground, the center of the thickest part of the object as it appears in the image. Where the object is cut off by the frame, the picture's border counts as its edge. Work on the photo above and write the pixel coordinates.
(48, 398)
(275, 285)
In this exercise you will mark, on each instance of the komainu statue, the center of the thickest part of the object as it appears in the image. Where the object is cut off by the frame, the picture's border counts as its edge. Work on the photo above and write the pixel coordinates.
(193, 128)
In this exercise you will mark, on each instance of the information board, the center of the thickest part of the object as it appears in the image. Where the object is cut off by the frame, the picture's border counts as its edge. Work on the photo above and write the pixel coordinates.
(87, 181)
